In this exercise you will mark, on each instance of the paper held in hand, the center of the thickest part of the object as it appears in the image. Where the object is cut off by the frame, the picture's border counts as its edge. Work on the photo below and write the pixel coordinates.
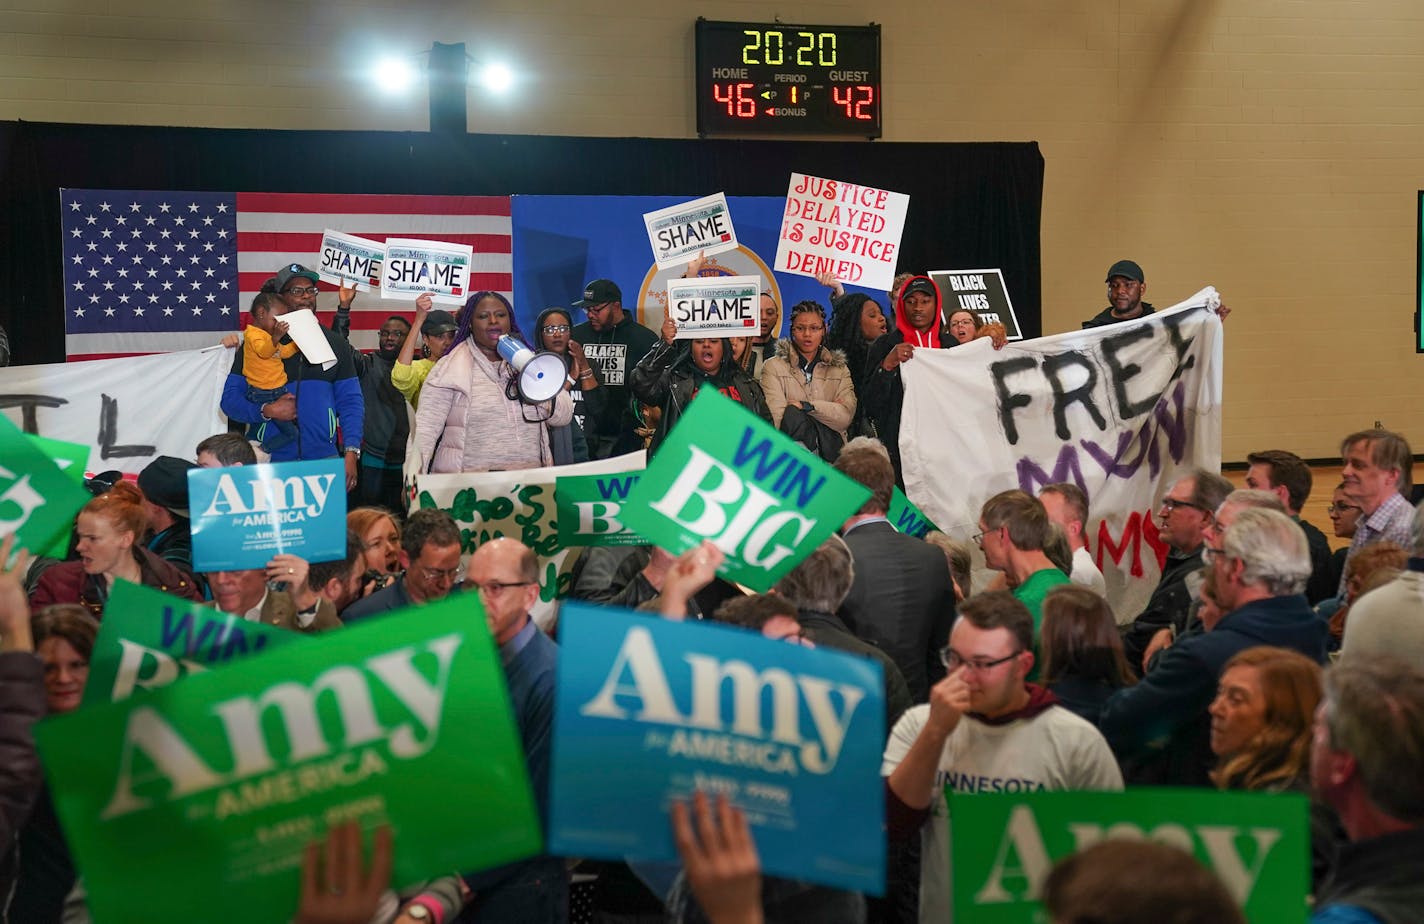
(727, 306)
(305, 330)
(680, 232)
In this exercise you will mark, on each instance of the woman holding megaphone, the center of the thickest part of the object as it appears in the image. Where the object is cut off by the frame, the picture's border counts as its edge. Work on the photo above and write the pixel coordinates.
(484, 406)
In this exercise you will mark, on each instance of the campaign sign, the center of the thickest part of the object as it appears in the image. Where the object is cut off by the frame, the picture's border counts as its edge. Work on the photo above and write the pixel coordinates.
(789, 734)
(206, 791)
(38, 500)
(414, 267)
(722, 306)
(350, 260)
(243, 515)
(149, 639)
(726, 475)
(680, 232)
(846, 229)
(72, 459)
(590, 509)
(981, 291)
(906, 517)
(1004, 844)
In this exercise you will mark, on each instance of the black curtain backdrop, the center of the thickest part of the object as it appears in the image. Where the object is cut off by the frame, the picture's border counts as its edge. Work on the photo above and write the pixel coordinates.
(971, 205)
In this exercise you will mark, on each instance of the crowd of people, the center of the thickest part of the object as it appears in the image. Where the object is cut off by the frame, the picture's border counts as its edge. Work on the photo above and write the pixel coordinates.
(1261, 661)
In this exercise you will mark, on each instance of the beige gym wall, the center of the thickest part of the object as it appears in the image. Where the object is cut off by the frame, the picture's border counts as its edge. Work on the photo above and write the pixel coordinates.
(1272, 148)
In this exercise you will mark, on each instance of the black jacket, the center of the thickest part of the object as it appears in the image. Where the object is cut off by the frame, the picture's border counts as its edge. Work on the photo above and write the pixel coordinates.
(1383, 875)
(1169, 605)
(609, 426)
(1105, 317)
(829, 631)
(667, 379)
(22, 703)
(387, 423)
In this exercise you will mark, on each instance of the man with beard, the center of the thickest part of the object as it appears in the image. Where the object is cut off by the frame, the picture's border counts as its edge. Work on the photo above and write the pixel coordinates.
(387, 424)
(613, 343)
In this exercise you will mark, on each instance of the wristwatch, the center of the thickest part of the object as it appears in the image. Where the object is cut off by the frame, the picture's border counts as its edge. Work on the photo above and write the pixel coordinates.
(418, 912)
(352, 449)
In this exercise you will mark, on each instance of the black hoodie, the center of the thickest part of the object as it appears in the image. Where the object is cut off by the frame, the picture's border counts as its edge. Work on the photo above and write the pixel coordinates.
(667, 378)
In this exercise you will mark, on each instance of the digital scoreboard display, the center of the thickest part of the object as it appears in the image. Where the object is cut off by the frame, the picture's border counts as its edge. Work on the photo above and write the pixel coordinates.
(772, 78)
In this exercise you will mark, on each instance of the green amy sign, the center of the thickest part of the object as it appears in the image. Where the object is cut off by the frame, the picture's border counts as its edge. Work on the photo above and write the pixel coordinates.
(726, 475)
(1003, 845)
(207, 790)
(149, 639)
(38, 500)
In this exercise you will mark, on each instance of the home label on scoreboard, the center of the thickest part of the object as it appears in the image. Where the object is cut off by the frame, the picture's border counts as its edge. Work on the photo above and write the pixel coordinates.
(773, 78)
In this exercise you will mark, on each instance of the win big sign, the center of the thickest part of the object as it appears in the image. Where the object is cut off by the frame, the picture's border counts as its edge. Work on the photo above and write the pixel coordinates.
(725, 475)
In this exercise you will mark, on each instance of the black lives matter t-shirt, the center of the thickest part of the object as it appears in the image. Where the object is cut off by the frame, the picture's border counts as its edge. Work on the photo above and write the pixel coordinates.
(613, 354)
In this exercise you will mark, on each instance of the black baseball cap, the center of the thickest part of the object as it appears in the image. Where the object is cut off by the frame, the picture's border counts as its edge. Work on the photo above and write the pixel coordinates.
(291, 271)
(919, 284)
(438, 322)
(1127, 269)
(599, 292)
(165, 482)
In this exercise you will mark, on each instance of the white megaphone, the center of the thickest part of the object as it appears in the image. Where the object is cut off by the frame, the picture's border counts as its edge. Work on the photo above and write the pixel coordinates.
(541, 375)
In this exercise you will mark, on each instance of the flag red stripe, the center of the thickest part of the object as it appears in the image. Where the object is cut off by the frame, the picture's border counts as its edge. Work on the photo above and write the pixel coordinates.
(341, 203)
(497, 282)
(309, 242)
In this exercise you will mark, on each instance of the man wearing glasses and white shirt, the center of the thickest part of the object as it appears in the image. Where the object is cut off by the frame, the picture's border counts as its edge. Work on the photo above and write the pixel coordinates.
(431, 542)
(985, 729)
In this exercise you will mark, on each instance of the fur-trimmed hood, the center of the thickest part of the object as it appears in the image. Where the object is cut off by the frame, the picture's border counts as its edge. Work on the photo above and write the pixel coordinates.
(786, 350)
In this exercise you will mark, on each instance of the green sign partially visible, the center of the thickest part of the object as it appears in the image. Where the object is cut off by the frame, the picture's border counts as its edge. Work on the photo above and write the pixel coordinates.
(72, 459)
(38, 501)
(207, 790)
(590, 509)
(1004, 845)
(726, 475)
(906, 517)
(149, 639)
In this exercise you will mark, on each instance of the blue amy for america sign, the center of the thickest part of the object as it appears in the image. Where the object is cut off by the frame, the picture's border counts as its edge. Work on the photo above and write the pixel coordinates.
(649, 711)
(244, 515)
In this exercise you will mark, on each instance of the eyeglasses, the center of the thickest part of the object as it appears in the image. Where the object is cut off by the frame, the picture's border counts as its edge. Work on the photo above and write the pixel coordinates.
(556, 328)
(301, 290)
(495, 588)
(978, 538)
(1212, 553)
(1339, 509)
(1171, 503)
(807, 330)
(594, 309)
(443, 574)
(953, 659)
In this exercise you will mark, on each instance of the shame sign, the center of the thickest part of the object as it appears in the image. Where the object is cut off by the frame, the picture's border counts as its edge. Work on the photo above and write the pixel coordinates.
(725, 475)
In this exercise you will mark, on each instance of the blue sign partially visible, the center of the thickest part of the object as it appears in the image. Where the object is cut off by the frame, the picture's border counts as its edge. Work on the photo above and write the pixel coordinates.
(245, 514)
(792, 736)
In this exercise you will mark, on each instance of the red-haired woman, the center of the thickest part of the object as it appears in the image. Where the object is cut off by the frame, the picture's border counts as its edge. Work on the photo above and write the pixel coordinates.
(110, 530)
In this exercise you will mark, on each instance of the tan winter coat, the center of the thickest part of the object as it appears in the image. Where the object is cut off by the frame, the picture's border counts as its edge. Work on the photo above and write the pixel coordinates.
(830, 390)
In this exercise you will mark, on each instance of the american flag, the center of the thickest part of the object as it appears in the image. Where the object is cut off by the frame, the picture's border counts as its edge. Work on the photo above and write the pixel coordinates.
(151, 272)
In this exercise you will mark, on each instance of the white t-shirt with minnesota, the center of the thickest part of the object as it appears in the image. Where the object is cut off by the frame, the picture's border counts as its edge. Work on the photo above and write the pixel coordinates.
(1054, 749)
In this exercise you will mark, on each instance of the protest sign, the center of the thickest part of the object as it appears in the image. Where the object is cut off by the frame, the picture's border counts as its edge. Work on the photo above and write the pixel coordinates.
(1121, 411)
(243, 515)
(38, 501)
(981, 291)
(1004, 844)
(723, 306)
(310, 337)
(790, 735)
(832, 226)
(414, 267)
(906, 517)
(149, 639)
(590, 507)
(680, 232)
(350, 260)
(726, 475)
(127, 411)
(207, 790)
(72, 459)
(520, 505)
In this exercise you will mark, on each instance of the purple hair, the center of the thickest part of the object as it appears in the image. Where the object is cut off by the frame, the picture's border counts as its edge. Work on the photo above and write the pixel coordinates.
(462, 330)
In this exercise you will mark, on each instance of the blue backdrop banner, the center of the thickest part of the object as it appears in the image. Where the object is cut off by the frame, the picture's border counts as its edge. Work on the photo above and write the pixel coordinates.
(245, 514)
(563, 242)
(648, 710)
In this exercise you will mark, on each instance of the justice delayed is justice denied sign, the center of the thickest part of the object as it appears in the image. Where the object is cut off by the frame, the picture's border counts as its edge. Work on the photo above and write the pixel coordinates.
(243, 515)
(791, 735)
(209, 788)
(724, 474)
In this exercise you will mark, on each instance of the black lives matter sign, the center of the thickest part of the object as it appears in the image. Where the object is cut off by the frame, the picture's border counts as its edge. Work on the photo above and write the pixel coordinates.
(981, 291)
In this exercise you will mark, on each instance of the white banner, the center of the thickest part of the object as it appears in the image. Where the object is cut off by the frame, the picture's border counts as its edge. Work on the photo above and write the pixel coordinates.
(832, 226)
(721, 306)
(126, 410)
(1121, 411)
(518, 505)
(680, 232)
